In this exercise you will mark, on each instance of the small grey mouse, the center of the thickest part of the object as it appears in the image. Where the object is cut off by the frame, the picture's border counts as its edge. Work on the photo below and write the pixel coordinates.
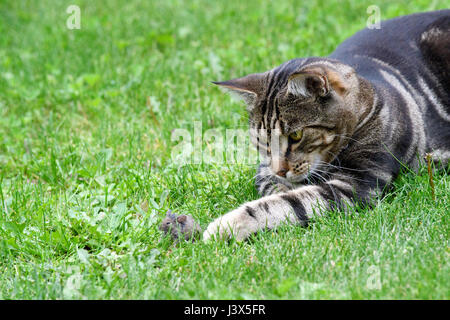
(180, 227)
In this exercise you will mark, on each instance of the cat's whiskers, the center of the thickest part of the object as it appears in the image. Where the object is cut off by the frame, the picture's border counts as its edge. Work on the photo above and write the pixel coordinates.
(341, 167)
(317, 175)
(334, 157)
(349, 138)
(346, 176)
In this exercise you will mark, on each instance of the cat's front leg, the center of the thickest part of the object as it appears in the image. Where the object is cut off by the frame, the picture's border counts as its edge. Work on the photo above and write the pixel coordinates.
(265, 213)
(295, 206)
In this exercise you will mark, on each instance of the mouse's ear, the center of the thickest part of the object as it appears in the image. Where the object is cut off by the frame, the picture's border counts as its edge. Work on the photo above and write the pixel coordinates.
(181, 219)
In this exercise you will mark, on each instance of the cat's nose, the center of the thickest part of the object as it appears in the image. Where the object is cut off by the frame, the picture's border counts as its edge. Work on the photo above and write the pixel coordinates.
(280, 167)
(282, 172)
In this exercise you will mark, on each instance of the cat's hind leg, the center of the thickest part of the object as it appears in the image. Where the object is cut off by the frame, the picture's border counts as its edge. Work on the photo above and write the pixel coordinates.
(434, 44)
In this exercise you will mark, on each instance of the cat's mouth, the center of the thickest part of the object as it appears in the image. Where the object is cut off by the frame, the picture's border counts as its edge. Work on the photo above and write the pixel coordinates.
(297, 178)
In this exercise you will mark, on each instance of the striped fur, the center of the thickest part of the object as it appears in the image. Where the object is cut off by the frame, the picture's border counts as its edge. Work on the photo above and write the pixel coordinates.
(378, 103)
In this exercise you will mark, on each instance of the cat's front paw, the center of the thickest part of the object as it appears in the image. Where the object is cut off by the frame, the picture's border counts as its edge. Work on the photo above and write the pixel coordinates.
(233, 224)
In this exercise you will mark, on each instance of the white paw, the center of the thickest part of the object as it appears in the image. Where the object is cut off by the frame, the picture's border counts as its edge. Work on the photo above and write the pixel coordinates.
(233, 224)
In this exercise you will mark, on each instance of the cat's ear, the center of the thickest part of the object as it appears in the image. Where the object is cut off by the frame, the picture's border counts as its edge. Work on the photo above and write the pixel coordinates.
(246, 88)
(309, 82)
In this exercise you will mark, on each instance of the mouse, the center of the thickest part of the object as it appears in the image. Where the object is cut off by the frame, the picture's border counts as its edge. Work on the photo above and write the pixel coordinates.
(180, 227)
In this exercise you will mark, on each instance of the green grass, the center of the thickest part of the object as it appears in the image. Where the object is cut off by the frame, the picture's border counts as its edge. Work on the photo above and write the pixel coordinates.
(86, 173)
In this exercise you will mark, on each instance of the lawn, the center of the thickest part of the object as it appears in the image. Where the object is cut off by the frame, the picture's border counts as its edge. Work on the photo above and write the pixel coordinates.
(86, 173)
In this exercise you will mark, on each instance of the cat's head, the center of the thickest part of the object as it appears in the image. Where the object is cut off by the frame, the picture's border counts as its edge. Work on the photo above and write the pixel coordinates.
(300, 113)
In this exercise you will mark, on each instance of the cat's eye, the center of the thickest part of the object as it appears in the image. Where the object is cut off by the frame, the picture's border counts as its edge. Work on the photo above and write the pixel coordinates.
(297, 135)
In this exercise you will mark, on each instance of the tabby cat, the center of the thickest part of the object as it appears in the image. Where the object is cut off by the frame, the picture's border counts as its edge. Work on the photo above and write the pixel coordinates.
(345, 125)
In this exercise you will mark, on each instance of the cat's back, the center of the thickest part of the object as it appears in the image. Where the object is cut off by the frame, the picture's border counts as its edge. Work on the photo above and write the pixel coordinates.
(409, 59)
(396, 41)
